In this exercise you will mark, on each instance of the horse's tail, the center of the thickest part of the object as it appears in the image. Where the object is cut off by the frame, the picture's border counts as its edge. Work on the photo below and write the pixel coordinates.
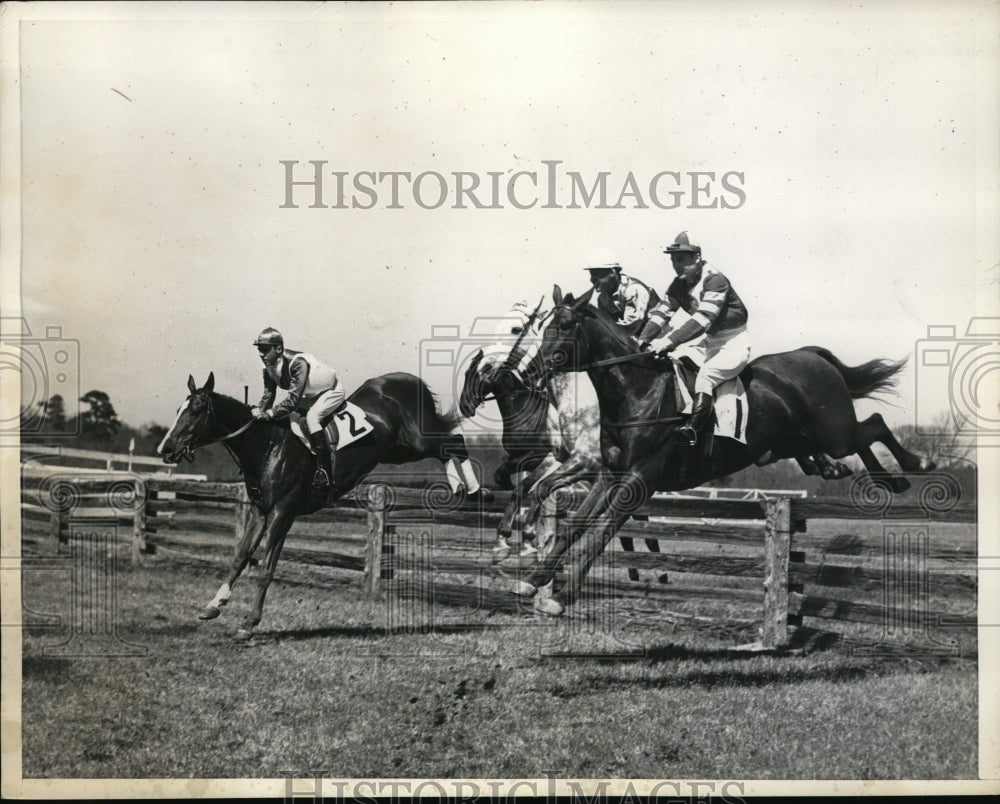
(438, 421)
(868, 378)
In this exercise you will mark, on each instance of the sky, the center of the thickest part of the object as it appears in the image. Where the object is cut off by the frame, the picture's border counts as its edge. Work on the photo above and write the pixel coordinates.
(153, 231)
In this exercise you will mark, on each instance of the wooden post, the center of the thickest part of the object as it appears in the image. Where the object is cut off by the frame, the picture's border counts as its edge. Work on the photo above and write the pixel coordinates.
(59, 527)
(376, 539)
(139, 522)
(777, 541)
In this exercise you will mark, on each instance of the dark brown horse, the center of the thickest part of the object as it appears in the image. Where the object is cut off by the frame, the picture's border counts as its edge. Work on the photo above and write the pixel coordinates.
(278, 468)
(800, 406)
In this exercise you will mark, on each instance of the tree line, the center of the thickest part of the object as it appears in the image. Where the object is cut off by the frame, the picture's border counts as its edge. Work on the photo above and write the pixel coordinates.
(98, 427)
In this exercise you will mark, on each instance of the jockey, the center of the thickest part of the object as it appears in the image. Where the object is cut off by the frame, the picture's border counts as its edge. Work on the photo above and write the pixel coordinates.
(623, 297)
(312, 386)
(717, 311)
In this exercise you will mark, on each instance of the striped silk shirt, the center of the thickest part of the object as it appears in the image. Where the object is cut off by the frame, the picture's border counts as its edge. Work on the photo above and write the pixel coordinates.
(713, 304)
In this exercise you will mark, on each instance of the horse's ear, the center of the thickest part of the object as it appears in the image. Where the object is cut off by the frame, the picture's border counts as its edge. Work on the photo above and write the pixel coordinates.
(557, 296)
(191, 384)
(210, 382)
(569, 299)
(578, 304)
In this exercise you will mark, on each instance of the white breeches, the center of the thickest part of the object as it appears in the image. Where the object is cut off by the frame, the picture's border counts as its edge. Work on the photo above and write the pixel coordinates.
(324, 404)
(726, 355)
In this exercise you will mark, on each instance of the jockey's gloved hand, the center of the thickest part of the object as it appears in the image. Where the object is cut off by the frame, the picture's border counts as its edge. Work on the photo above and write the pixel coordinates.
(640, 344)
(261, 414)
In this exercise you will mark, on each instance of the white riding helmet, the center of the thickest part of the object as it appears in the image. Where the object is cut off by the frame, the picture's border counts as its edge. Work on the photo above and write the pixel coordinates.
(602, 259)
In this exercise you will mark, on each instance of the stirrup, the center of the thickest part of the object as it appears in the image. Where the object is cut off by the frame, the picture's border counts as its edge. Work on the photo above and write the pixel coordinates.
(689, 434)
(320, 479)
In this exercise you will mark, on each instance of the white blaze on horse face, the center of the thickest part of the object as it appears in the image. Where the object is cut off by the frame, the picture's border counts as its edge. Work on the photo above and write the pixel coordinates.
(170, 432)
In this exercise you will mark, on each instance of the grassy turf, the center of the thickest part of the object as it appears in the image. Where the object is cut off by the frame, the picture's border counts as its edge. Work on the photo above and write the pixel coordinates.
(327, 685)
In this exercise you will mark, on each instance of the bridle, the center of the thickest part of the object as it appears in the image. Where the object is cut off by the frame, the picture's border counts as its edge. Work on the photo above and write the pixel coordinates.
(187, 452)
(608, 361)
(620, 359)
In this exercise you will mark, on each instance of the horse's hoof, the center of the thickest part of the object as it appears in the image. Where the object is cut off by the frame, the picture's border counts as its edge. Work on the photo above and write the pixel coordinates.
(927, 465)
(550, 607)
(899, 485)
(525, 589)
(209, 613)
(520, 562)
(500, 553)
(243, 635)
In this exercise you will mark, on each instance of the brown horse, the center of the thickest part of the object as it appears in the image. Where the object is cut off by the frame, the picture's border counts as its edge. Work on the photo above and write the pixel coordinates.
(800, 406)
(278, 468)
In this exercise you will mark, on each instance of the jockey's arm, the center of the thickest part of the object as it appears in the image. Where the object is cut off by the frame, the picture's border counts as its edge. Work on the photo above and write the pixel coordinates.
(298, 372)
(659, 317)
(270, 389)
(634, 301)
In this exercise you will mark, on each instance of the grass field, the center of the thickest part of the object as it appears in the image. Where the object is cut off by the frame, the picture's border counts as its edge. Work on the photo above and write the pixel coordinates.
(331, 681)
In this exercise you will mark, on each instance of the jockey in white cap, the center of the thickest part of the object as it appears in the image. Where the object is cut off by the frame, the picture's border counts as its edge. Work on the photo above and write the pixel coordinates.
(623, 297)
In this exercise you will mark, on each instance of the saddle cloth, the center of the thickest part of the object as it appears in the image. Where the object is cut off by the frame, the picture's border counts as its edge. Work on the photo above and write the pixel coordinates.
(351, 422)
(730, 401)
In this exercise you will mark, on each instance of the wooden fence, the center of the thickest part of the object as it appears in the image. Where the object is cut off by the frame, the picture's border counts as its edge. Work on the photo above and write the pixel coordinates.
(784, 563)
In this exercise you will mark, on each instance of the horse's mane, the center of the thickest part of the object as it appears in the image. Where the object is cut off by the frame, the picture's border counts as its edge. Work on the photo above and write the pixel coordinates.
(622, 335)
(284, 423)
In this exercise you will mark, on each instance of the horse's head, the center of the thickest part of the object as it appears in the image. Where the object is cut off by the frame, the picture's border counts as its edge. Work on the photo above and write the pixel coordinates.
(563, 347)
(492, 372)
(193, 426)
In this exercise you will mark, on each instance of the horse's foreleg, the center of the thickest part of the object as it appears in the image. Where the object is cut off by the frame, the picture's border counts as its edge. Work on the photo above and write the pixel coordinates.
(573, 470)
(277, 529)
(618, 503)
(569, 533)
(253, 530)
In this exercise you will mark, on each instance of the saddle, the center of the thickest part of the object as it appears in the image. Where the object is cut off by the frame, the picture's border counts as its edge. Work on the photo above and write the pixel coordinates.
(730, 409)
(344, 426)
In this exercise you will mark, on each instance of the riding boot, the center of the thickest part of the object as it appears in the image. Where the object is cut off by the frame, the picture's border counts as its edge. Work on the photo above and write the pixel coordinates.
(700, 421)
(323, 479)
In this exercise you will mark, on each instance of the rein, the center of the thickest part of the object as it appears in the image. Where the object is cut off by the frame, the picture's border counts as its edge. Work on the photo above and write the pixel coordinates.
(188, 453)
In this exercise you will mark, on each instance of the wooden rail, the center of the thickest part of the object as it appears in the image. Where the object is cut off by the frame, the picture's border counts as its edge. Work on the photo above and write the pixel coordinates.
(788, 558)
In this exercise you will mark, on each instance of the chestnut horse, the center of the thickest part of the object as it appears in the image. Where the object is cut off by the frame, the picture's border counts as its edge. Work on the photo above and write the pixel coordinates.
(278, 468)
(800, 406)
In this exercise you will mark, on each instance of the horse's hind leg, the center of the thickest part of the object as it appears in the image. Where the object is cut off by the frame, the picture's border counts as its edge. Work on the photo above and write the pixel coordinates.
(453, 446)
(822, 465)
(808, 466)
(253, 530)
(896, 483)
(874, 428)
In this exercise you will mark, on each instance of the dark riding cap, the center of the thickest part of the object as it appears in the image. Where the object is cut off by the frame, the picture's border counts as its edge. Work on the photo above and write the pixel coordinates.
(269, 337)
(603, 259)
(682, 243)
